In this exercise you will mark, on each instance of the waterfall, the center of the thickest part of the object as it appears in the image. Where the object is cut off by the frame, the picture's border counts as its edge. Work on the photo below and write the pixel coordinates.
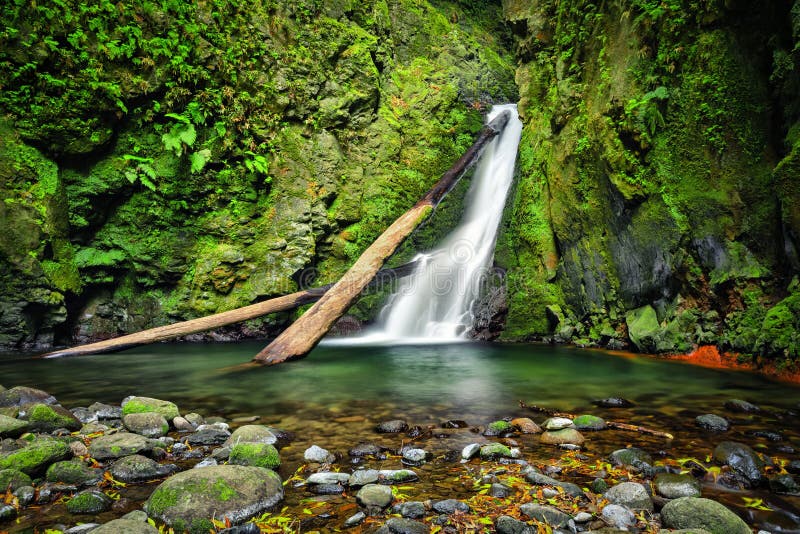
(434, 304)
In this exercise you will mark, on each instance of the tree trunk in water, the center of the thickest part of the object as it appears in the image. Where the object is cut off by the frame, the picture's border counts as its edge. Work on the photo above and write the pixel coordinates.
(211, 322)
(302, 336)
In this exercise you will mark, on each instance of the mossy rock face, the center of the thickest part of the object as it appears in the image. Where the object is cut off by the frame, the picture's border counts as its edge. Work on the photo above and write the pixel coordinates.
(696, 512)
(89, 502)
(643, 328)
(118, 445)
(589, 422)
(255, 454)
(11, 427)
(72, 473)
(36, 456)
(46, 418)
(166, 409)
(492, 451)
(189, 500)
(498, 428)
(13, 479)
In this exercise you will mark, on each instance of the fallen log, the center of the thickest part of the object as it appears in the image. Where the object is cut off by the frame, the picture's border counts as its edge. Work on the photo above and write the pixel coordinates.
(302, 336)
(211, 322)
(609, 424)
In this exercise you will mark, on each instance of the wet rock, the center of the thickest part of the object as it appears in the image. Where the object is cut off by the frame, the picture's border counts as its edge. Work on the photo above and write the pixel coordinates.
(526, 425)
(251, 434)
(84, 415)
(619, 516)
(147, 424)
(712, 422)
(125, 526)
(470, 451)
(397, 525)
(232, 492)
(70, 472)
(137, 468)
(363, 477)
(741, 406)
(46, 418)
(743, 461)
(327, 489)
(24, 495)
(631, 495)
(392, 427)
(208, 436)
(505, 524)
(794, 467)
(246, 528)
(206, 462)
(589, 422)
(113, 446)
(11, 427)
(35, 457)
(498, 428)
(768, 434)
(414, 456)
(355, 519)
(599, 485)
(13, 479)
(558, 437)
(613, 402)
(7, 512)
(93, 428)
(182, 424)
(785, 484)
(582, 517)
(538, 479)
(417, 431)
(557, 423)
(167, 409)
(501, 491)
(674, 486)
(255, 454)
(194, 419)
(89, 502)
(450, 506)
(411, 509)
(365, 449)
(455, 423)
(105, 411)
(374, 497)
(633, 457)
(21, 395)
(546, 514)
(396, 476)
(318, 455)
(78, 448)
(493, 451)
(330, 477)
(696, 512)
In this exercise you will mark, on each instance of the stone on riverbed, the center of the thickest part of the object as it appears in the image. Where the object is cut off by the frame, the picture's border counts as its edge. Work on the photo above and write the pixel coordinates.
(36, 456)
(208, 436)
(363, 477)
(396, 476)
(392, 427)
(470, 451)
(618, 516)
(743, 461)
(712, 422)
(114, 446)
(741, 406)
(633, 457)
(365, 449)
(169, 410)
(533, 476)
(137, 468)
(450, 506)
(410, 510)
(492, 451)
(251, 434)
(318, 455)
(374, 497)
(11, 427)
(71, 472)
(255, 454)
(546, 514)
(498, 428)
(631, 495)
(331, 477)
(414, 456)
(125, 526)
(558, 437)
(613, 402)
(526, 425)
(506, 524)
(46, 418)
(105, 411)
(785, 484)
(589, 422)
(21, 395)
(89, 502)
(191, 499)
(397, 525)
(696, 512)
(674, 486)
(147, 424)
(13, 479)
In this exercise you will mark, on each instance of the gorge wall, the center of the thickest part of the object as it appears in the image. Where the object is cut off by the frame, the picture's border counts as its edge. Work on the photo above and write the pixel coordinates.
(176, 159)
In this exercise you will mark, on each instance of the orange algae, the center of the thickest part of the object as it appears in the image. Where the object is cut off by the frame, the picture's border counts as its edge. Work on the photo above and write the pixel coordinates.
(710, 356)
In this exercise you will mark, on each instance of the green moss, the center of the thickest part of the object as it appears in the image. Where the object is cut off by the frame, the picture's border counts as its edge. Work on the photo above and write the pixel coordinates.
(35, 457)
(162, 499)
(255, 454)
(780, 332)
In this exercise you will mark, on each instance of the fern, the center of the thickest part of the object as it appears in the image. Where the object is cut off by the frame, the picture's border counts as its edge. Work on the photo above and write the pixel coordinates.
(199, 159)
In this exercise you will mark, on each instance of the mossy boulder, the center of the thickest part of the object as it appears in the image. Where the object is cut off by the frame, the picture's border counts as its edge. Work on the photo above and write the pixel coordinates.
(72, 473)
(643, 328)
(492, 451)
(34, 458)
(46, 418)
(565, 435)
(589, 422)
(89, 502)
(13, 479)
(251, 434)
(11, 427)
(498, 428)
(167, 409)
(674, 485)
(147, 424)
(188, 501)
(255, 454)
(696, 512)
(114, 446)
(21, 395)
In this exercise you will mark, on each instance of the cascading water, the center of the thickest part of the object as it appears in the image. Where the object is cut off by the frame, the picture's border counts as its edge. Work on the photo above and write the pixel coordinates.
(434, 304)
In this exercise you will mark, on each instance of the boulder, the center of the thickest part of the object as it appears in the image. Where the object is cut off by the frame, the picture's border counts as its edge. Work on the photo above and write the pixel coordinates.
(331, 477)
(631, 495)
(634, 458)
(21, 395)
(399, 525)
(450, 506)
(538, 479)
(712, 422)
(70, 472)
(48, 417)
(374, 497)
(743, 461)
(392, 427)
(546, 514)
(105, 411)
(696, 513)
(113, 446)
(11, 427)
(557, 423)
(363, 477)
(498, 428)
(674, 486)
(251, 434)
(470, 451)
(255, 454)
(559, 437)
(643, 328)
(89, 502)
(411, 509)
(13, 479)
(147, 424)
(492, 451)
(365, 449)
(589, 422)
(741, 406)
(784, 484)
(208, 436)
(36, 456)
(138, 468)
(168, 410)
(618, 516)
(506, 524)
(526, 425)
(191, 499)
(125, 526)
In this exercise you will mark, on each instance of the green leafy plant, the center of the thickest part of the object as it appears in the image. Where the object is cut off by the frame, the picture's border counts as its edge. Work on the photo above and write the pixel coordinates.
(141, 171)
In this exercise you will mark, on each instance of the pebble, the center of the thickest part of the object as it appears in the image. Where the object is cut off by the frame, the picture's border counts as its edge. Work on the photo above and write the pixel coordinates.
(414, 456)
(613, 402)
(742, 406)
(374, 497)
(557, 423)
(450, 506)
(712, 422)
(619, 516)
(329, 477)
(470, 451)
(355, 519)
(318, 455)
(392, 427)
(411, 509)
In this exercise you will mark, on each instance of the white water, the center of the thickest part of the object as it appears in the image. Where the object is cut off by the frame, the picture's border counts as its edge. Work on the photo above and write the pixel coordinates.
(434, 304)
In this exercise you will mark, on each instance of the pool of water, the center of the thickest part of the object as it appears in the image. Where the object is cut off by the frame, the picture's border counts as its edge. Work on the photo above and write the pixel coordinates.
(335, 396)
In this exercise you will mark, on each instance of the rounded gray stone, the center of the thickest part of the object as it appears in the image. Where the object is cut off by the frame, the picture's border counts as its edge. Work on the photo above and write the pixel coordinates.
(696, 512)
(631, 495)
(374, 496)
(619, 516)
(114, 446)
(148, 424)
(743, 460)
(89, 502)
(126, 526)
(674, 486)
(137, 468)
(712, 422)
(318, 455)
(251, 434)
